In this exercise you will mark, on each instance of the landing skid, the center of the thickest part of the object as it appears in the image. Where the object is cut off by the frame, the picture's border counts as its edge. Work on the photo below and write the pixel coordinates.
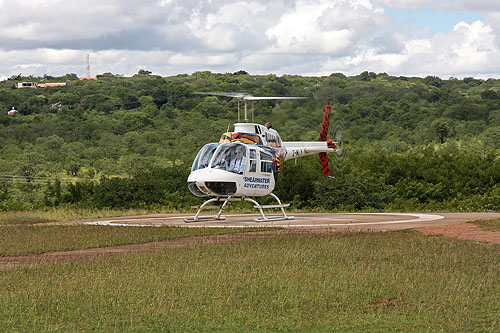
(225, 200)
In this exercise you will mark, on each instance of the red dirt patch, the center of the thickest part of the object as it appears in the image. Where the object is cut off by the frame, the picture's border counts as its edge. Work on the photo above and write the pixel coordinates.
(465, 231)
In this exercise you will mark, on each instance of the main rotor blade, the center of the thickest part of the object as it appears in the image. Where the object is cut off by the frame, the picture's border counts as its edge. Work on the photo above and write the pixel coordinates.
(245, 96)
(254, 98)
(226, 94)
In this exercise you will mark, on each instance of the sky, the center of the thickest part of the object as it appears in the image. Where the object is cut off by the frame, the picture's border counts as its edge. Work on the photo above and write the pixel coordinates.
(447, 38)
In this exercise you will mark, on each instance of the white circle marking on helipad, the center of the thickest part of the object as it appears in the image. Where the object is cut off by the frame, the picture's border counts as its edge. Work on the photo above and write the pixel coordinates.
(119, 222)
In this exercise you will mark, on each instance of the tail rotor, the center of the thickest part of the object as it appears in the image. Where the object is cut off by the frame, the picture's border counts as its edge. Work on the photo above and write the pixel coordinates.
(337, 144)
(322, 137)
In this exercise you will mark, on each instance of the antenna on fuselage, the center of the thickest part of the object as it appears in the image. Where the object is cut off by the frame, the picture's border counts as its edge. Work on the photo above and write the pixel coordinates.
(238, 111)
(245, 97)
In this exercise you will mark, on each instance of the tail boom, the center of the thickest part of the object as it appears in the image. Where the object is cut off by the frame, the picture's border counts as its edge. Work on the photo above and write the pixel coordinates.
(323, 146)
(304, 148)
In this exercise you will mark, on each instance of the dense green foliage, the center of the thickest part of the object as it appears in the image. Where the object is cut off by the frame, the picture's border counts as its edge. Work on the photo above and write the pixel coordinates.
(121, 142)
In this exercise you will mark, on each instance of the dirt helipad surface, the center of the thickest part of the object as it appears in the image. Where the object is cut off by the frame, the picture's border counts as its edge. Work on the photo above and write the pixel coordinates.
(448, 224)
(325, 221)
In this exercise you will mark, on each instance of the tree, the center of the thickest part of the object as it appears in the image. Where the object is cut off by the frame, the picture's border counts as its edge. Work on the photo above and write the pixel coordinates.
(489, 94)
(73, 165)
(210, 107)
(136, 120)
(442, 128)
(30, 164)
(491, 138)
(367, 76)
(433, 81)
(128, 98)
(357, 191)
(143, 72)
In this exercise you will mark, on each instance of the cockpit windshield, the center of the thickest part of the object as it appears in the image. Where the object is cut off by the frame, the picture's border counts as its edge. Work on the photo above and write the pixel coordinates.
(230, 157)
(204, 156)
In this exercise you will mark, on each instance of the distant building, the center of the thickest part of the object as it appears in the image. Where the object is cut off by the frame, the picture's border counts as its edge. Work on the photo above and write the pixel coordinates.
(12, 112)
(40, 85)
(88, 78)
(26, 85)
(49, 85)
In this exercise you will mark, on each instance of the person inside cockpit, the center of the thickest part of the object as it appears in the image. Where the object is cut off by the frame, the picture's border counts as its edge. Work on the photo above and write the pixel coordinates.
(226, 162)
(238, 162)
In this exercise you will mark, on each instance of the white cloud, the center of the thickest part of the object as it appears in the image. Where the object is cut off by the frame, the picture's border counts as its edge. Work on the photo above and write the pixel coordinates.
(194, 60)
(221, 28)
(485, 6)
(328, 27)
(282, 37)
(469, 50)
(405, 4)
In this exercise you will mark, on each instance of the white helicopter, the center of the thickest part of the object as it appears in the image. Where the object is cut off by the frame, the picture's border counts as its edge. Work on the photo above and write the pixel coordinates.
(241, 165)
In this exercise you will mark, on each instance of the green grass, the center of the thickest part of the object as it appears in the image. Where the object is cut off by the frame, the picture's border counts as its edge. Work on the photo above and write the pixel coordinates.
(489, 225)
(25, 239)
(344, 282)
(66, 214)
(63, 214)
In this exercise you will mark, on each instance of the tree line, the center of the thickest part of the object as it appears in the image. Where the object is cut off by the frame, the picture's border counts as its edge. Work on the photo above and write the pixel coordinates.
(127, 142)
(420, 180)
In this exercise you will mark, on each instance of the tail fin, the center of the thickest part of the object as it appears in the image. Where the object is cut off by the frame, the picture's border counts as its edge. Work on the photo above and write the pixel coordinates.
(322, 137)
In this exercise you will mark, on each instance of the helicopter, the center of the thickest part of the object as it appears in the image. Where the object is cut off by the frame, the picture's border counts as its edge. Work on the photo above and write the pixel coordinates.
(243, 163)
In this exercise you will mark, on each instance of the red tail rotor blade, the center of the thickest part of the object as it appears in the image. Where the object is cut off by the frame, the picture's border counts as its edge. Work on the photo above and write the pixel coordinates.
(322, 137)
(326, 121)
(324, 163)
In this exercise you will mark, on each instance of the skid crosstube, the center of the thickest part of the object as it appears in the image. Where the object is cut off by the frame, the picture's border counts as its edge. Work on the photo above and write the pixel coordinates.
(258, 206)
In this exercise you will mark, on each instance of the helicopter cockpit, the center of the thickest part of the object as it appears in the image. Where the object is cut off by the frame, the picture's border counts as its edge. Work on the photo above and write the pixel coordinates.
(234, 157)
(204, 156)
(231, 157)
(219, 167)
(228, 156)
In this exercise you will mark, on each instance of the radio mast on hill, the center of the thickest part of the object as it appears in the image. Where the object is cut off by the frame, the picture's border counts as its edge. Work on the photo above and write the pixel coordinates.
(88, 65)
(87, 68)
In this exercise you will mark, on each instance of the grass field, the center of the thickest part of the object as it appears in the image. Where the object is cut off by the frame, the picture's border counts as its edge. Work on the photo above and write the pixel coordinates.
(27, 239)
(391, 281)
(65, 214)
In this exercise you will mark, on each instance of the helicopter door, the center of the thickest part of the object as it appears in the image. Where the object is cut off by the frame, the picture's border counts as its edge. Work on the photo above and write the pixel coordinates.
(231, 157)
(266, 163)
(253, 161)
(258, 179)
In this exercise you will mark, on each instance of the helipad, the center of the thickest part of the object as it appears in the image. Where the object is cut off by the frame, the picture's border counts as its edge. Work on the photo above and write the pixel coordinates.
(304, 220)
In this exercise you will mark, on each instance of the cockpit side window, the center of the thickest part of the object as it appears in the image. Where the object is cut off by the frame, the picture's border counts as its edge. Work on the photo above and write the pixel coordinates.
(231, 157)
(253, 160)
(204, 156)
(266, 162)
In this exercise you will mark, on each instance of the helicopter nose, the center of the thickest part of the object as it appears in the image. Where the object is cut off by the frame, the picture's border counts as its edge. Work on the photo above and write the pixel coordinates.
(193, 188)
(222, 188)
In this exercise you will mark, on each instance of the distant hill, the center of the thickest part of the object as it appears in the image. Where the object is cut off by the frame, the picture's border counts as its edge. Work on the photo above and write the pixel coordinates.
(124, 126)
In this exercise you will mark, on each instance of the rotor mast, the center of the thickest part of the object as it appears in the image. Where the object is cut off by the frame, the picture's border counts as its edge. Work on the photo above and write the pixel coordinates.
(244, 97)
